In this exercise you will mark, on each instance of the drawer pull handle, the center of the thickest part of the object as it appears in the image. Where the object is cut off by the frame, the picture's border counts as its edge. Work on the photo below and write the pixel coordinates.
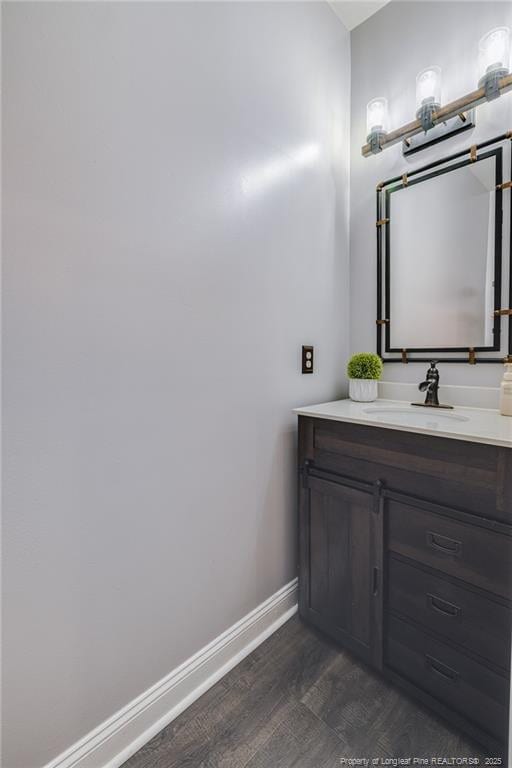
(443, 543)
(442, 606)
(441, 669)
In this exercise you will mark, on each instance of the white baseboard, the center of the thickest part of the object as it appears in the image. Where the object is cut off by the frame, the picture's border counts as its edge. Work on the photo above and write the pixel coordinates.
(119, 737)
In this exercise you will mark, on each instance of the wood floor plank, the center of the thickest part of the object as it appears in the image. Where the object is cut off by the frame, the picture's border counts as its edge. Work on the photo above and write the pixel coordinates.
(349, 699)
(261, 709)
(408, 729)
(374, 718)
(237, 718)
(223, 735)
(296, 655)
(301, 741)
(298, 701)
(194, 729)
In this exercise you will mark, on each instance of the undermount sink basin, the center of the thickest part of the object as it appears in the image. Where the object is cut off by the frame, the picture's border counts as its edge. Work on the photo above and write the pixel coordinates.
(420, 416)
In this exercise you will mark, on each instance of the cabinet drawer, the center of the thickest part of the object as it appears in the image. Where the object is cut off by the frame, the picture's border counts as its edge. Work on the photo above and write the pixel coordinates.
(472, 689)
(468, 552)
(464, 617)
(455, 473)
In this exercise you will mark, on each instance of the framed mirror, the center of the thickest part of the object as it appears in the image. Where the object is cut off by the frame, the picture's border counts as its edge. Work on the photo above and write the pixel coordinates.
(443, 259)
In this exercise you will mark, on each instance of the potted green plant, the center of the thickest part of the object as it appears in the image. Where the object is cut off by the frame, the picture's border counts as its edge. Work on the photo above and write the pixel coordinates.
(364, 370)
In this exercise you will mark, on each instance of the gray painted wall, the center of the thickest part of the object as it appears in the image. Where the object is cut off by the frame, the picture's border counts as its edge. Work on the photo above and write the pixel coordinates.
(175, 214)
(388, 50)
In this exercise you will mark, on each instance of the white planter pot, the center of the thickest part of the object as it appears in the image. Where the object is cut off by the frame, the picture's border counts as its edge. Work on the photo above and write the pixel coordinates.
(363, 390)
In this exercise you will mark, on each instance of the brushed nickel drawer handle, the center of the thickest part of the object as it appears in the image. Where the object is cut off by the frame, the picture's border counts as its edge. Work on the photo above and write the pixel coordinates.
(442, 606)
(441, 669)
(443, 543)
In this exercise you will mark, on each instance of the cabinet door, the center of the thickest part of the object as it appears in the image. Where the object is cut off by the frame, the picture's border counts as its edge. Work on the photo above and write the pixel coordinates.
(340, 589)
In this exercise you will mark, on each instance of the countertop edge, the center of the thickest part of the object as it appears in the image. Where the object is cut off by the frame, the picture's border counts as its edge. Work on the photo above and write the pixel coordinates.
(468, 438)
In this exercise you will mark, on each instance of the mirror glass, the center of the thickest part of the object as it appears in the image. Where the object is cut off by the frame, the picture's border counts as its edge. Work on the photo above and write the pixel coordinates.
(442, 259)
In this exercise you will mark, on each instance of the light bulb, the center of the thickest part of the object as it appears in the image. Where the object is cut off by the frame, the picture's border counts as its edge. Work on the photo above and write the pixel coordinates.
(377, 115)
(428, 88)
(494, 52)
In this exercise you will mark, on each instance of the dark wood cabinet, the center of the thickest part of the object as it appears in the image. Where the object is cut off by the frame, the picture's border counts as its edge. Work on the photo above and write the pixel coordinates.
(406, 560)
(341, 577)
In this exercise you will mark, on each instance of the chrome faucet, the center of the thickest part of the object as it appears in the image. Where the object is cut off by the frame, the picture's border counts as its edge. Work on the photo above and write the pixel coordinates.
(431, 387)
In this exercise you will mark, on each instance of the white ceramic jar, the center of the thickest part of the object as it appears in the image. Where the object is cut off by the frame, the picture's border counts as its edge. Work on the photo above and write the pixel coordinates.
(363, 390)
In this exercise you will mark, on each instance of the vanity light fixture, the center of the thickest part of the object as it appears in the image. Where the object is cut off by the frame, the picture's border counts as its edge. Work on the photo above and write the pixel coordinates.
(494, 60)
(443, 121)
(428, 95)
(376, 122)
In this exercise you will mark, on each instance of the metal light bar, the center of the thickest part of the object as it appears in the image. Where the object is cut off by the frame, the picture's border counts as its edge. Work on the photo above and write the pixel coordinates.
(452, 109)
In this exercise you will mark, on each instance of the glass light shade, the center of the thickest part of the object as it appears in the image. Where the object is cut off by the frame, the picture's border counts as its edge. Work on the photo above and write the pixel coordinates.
(494, 51)
(377, 115)
(428, 87)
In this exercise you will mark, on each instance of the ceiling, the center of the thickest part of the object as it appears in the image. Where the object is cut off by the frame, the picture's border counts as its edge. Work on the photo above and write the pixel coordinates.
(354, 12)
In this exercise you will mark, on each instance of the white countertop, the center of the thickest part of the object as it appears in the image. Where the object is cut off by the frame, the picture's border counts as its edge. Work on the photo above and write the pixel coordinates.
(476, 425)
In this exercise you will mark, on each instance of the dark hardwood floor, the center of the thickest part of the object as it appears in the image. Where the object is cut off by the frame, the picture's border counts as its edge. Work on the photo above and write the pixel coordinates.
(299, 701)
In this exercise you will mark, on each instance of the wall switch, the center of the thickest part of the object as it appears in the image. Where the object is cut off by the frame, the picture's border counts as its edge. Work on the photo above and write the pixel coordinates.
(307, 359)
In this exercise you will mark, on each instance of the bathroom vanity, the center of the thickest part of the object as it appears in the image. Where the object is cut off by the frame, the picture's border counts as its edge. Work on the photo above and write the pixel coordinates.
(406, 550)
